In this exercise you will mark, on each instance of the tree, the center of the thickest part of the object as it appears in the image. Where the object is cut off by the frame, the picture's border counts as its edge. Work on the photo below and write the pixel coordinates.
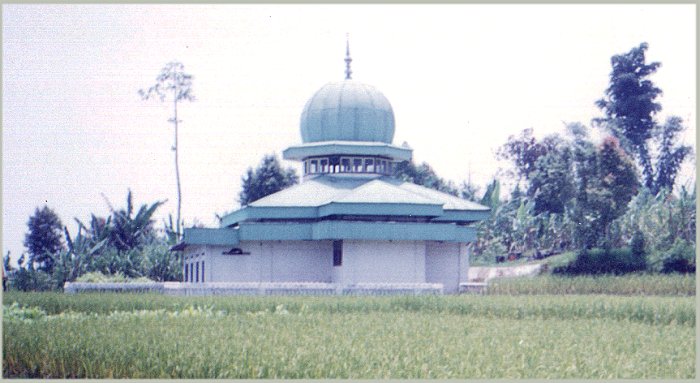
(469, 191)
(492, 195)
(630, 105)
(607, 183)
(671, 155)
(174, 83)
(269, 177)
(523, 151)
(552, 183)
(44, 239)
(424, 175)
(130, 231)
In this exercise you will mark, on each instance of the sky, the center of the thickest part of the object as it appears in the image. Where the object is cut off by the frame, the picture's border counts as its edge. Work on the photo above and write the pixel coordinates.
(461, 79)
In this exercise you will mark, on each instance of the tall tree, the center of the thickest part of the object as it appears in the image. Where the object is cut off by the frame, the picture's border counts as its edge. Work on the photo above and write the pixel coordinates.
(630, 106)
(173, 83)
(269, 177)
(44, 238)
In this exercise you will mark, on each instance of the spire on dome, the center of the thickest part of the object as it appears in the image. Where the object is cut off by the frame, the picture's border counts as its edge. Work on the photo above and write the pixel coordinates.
(348, 60)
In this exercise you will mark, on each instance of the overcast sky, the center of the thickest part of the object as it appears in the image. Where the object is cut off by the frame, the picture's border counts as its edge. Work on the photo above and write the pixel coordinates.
(460, 78)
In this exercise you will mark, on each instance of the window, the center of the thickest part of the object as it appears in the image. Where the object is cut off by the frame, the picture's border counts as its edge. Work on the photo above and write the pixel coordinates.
(345, 165)
(337, 253)
(191, 272)
(381, 166)
(186, 271)
(313, 166)
(202, 271)
(357, 165)
(196, 274)
(324, 165)
(369, 165)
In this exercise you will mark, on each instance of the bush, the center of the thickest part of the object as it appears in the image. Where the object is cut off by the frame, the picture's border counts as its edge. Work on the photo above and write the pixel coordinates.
(637, 244)
(604, 261)
(160, 264)
(97, 277)
(680, 258)
(28, 279)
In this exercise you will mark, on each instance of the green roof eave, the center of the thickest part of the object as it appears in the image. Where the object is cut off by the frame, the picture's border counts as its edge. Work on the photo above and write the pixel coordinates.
(334, 230)
(276, 231)
(202, 236)
(329, 230)
(396, 231)
(328, 148)
(463, 216)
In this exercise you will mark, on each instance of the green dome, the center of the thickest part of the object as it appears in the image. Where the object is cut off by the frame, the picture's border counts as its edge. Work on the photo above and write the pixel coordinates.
(347, 111)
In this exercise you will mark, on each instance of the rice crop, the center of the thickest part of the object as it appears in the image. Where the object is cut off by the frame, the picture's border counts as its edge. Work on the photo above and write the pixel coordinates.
(654, 310)
(640, 284)
(150, 336)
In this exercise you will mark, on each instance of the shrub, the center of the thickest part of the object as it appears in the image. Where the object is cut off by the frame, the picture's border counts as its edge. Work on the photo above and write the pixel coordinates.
(97, 277)
(637, 244)
(680, 258)
(28, 279)
(604, 261)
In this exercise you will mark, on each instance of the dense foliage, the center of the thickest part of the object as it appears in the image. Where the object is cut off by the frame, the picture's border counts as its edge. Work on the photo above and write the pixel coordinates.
(424, 175)
(44, 238)
(268, 178)
(574, 194)
(125, 243)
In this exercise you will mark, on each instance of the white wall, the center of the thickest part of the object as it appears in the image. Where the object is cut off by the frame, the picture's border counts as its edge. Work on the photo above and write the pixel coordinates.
(193, 256)
(312, 261)
(272, 261)
(442, 264)
(383, 262)
(299, 261)
(231, 268)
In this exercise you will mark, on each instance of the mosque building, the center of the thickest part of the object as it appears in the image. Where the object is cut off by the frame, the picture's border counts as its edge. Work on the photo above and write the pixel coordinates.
(349, 222)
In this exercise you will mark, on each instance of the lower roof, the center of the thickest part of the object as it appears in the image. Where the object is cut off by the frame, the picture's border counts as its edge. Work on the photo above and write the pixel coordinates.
(327, 230)
(337, 195)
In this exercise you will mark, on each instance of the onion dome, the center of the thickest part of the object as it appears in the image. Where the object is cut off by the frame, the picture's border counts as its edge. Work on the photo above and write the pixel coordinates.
(347, 111)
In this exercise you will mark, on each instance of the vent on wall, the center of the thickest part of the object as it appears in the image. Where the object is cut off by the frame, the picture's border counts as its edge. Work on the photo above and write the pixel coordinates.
(235, 251)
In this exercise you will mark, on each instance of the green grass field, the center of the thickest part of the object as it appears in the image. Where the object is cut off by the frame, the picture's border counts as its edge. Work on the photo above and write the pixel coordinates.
(51, 335)
(632, 284)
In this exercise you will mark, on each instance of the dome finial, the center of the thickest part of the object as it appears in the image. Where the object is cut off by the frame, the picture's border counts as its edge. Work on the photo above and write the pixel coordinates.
(348, 60)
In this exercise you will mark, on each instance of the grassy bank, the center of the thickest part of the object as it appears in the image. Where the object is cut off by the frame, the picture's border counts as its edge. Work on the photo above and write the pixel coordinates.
(640, 284)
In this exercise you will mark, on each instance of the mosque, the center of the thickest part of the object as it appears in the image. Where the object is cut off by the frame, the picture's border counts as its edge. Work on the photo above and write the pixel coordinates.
(349, 222)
